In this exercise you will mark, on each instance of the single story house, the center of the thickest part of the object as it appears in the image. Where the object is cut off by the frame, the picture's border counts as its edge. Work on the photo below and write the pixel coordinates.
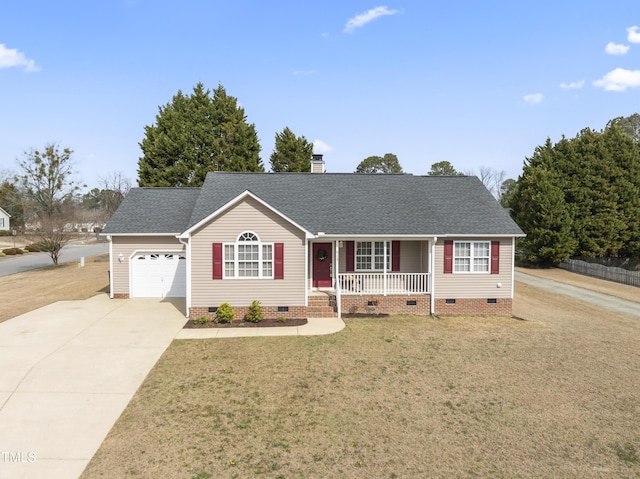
(317, 244)
(5, 220)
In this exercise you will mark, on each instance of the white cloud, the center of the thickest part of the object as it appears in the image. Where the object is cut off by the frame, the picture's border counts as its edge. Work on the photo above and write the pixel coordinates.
(320, 146)
(10, 57)
(366, 17)
(303, 72)
(533, 98)
(619, 80)
(634, 35)
(574, 85)
(616, 49)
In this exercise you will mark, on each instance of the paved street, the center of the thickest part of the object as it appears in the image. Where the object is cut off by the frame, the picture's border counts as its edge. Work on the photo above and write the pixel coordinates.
(599, 299)
(71, 252)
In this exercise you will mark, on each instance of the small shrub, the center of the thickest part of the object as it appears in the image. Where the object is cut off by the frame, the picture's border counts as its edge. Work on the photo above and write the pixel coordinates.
(225, 313)
(202, 320)
(32, 248)
(9, 251)
(18, 250)
(281, 319)
(255, 313)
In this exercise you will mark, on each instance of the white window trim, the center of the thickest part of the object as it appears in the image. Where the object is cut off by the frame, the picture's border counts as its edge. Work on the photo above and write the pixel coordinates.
(236, 261)
(373, 256)
(472, 257)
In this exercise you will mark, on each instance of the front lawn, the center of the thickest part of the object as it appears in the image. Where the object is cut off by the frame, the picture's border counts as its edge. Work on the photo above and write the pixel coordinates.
(402, 397)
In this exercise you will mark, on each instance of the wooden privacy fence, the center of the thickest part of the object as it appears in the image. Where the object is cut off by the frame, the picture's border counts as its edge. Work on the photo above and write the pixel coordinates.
(609, 273)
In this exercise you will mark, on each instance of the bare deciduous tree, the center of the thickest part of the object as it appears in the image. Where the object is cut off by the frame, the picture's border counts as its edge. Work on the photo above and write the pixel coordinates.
(492, 179)
(46, 178)
(115, 187)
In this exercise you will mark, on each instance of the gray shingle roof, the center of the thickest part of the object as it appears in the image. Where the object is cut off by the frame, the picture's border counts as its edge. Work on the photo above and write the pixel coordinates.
(335, 203)
(153, 210)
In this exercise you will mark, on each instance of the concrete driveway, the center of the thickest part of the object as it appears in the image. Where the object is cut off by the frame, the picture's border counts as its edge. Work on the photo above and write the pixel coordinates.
(67, 371)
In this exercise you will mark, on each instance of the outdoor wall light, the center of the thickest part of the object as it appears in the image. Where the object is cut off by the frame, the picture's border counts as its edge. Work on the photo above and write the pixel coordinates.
(121, 257)
(499, 285)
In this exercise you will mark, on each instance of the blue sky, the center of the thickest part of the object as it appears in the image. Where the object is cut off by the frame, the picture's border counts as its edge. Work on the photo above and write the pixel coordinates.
(474, 83)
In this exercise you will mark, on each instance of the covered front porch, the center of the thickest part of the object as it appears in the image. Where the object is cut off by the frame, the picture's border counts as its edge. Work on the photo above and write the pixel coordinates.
(374, 268)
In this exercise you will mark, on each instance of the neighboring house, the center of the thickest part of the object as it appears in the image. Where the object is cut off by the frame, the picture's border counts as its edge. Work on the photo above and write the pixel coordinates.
(309, 244)
(5, 222)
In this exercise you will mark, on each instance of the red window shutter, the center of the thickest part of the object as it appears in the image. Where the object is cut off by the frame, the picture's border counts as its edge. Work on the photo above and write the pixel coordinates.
(278, 261)
(350, 256)
(448, 256)
(217, 260)
(495, 257)
(395, 256)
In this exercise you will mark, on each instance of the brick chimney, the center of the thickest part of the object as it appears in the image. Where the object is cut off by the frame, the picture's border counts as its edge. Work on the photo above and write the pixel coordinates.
(317, 164)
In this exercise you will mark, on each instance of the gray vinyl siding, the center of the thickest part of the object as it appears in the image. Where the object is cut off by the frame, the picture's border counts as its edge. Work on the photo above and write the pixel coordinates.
(248, 215)
(128, 245)
(474, 285)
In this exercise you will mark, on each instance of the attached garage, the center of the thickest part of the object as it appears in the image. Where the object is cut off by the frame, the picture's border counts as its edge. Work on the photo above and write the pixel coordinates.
(158, 275)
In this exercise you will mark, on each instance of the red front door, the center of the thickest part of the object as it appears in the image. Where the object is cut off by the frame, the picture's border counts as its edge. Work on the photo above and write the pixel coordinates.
(322, 260)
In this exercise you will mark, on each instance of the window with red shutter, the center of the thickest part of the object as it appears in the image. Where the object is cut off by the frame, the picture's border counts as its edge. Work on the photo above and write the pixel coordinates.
(350, 256)
(448, 256)
(217, 260)
(395, 256)
(495, 257)
(278, 261)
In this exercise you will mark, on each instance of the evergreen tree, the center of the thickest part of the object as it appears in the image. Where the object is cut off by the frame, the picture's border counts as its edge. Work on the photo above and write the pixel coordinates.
(597, 175)
(12, 201)
(626, 182)
(291, 153)
(196, 134)
(539, 208)
(443, 168)
(376, 164)
(630, 125)
(598, 222)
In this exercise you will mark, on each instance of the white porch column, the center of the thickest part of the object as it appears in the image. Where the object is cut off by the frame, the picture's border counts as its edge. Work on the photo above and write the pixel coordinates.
(336, 275)
(432, 274)
(384, 266)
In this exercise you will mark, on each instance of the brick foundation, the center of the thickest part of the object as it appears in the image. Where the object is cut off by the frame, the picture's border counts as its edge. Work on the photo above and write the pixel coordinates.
(270, 312)
(474, 306)
(120, 295)
(391, 304)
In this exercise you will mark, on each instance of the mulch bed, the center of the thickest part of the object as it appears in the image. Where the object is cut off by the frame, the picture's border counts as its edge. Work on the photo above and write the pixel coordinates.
(265, 323)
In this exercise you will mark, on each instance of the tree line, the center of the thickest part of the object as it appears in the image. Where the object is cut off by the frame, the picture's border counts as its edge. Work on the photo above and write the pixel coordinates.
(580, 197)
(577, 197)
(208, 131)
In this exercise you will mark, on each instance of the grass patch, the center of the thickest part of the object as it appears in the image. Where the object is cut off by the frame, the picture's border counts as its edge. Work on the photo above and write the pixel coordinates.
(391, 397)
(24, 292)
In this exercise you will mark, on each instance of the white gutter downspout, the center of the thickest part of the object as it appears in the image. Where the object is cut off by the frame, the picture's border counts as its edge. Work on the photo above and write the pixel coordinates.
(432, 273)
(187, 246)
(110, 266)
(307, 282)
(513, 263)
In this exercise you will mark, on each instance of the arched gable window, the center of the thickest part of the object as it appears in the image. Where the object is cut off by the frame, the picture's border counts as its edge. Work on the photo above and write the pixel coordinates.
(248, 257)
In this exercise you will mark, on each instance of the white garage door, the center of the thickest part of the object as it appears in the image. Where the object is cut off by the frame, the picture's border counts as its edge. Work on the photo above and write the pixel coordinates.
(159, 275)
